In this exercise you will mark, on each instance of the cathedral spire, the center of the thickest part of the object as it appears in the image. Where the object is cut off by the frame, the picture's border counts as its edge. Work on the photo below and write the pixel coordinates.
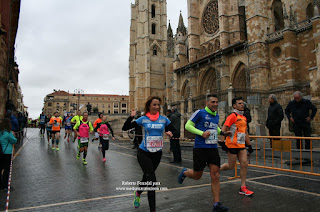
(170, 42)
(169, 32)
(181, 27)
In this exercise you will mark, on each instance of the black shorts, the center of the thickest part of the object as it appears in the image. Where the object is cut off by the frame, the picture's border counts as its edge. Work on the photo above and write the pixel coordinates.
(235, 151)
(54, 132)
(205, 156)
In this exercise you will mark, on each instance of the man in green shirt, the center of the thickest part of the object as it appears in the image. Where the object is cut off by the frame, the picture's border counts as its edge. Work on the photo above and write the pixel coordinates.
(74, 120)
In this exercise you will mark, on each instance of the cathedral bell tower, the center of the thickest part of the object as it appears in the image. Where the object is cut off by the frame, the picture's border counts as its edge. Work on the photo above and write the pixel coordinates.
(148, 43)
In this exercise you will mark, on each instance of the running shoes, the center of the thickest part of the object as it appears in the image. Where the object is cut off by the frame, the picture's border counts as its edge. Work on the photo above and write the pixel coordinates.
(219, 208)
(245, 191)
(136, 201)
(181, 176)
(84, 162)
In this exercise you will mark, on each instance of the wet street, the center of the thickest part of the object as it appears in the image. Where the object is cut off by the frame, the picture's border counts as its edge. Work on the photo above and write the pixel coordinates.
(50, 180)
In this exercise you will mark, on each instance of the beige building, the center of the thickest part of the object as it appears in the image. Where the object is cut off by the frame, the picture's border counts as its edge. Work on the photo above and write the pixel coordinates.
(64, 102)
(148, 52)
(248, 48)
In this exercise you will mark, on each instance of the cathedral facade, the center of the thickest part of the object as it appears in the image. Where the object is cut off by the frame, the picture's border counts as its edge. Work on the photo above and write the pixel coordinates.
(248, 48)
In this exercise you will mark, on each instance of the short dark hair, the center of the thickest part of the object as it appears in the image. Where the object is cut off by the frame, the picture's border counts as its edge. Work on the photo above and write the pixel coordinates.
(235, 99)
(5, 125)
(211, 95)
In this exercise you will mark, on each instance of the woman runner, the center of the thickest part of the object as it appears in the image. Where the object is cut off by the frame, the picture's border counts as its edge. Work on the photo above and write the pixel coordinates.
(104, 130)
(150, 150)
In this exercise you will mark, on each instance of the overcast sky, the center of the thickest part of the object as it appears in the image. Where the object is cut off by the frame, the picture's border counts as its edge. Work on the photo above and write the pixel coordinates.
(70, 44)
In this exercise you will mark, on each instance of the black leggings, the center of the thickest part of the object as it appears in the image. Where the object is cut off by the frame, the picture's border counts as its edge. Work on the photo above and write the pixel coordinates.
(149, 162)
(5, 162)
(42, 128)
(105, 146)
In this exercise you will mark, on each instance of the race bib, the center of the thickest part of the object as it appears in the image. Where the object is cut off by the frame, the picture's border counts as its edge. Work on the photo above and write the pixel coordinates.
(96, 135)
(83, 140)
(154, 143)
(57, 124)
(68, 124)
(241, 138)
(42, 120)
(213, 138)
(105, 136)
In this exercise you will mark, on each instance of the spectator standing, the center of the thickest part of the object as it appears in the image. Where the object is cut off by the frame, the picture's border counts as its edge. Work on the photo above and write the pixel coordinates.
(247, 115)
(298, 112)
(275, 116)
(175, 118)
(13, 120)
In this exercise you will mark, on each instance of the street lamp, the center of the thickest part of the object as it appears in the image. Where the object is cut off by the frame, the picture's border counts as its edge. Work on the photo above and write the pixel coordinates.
(78, 92)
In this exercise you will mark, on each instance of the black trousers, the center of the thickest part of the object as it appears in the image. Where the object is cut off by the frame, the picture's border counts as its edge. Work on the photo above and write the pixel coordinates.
(149, 162)
(302, 129)
(176, 150)
(105, 146)
(274, 132)
(5, 162)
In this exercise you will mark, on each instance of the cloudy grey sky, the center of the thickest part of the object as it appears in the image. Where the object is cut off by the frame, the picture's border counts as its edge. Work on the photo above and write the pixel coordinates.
(70, 44)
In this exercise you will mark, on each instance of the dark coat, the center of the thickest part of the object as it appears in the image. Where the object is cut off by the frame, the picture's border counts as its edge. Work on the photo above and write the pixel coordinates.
(175, 119)
(299, 111)
(275, 116)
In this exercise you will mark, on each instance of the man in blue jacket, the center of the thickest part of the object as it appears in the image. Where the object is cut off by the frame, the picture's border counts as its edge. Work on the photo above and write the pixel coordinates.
(298, 112)
(14, 121)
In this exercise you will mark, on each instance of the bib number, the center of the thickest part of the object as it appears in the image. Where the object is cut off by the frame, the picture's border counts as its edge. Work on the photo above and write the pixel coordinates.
(68, 124)
(241, 138)
(96, 135)
(105, 136)
(213, 138)
(154, 143)
(56, 124)
(42, 120)
(83, 140)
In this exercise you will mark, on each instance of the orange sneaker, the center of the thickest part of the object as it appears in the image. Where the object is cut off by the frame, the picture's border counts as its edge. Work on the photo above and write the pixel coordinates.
(245, 191)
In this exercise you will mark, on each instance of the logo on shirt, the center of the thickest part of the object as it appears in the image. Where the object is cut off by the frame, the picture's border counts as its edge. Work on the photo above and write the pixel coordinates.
(154, 126)
(210, 125)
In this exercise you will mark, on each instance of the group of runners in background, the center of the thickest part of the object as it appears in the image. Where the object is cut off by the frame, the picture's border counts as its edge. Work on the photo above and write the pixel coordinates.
(81, 127)
(204, 123)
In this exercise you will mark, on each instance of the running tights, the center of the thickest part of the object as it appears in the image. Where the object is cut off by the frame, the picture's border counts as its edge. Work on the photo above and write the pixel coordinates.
(149, 162)
(105, 146)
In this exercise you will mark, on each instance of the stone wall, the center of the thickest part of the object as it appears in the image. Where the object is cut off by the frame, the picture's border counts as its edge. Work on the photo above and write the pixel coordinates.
(3, 75)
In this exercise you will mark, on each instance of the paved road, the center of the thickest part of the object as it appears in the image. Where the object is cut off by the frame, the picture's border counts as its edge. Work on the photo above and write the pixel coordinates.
(50, 180)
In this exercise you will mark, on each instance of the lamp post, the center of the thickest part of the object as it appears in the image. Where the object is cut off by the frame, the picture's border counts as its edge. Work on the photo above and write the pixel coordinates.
(78, 92)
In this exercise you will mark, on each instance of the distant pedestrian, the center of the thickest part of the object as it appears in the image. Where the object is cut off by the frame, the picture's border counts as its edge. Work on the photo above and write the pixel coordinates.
(14, 121)
(7, 139)
(275, 116)
(247, 115)
(298, 112)
(168, 115)
(175, 118)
